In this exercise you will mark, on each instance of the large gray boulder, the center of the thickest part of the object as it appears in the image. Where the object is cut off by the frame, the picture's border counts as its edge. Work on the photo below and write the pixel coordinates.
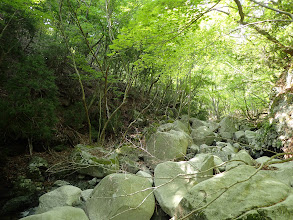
(241, 158)
(164, 146)
(203, 135)
(58, 213)
(174, 179)
(63, 196)
(228, 127)
(232, 194)
(240, 136)
(213, 126)
(121, 197)
(281, 171)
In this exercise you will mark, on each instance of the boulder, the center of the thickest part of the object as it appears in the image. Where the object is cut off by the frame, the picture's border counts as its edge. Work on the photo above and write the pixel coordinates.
(254, 145)
(146, 176)
(281, 210)
(196, 123)
(282, 171)
(85, 194)
(219, 164)
(238, 146)
(93, 182)
(63, 196)
(225, 151)
(64, 213)
(213, 126)
(265, 159)
(228, 124)
(128, 156)
(226, 135)
(193, 149)
(250, 136)
(230, 148)
(176, 126)
(202, 135)
(241, 158)
(128, 165)
(232, 194)
(123, 197)
(164, 146)
(95, 161)
(59, 183)
(240, 136)
(174, 179)
(208, 149)
(228, 127)
(131, 151)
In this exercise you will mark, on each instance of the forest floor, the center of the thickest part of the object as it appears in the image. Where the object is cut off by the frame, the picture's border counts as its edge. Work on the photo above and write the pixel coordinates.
(17, 165)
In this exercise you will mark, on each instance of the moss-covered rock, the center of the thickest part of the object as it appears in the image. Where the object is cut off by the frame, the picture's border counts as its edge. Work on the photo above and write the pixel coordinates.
(234, 193)
(95, 161)
(176, 126)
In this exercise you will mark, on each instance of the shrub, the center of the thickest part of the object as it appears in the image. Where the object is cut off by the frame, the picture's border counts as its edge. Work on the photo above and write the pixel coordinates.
(28, 109)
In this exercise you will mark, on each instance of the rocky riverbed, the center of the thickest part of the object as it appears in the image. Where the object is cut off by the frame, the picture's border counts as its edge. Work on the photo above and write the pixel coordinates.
(188, 169)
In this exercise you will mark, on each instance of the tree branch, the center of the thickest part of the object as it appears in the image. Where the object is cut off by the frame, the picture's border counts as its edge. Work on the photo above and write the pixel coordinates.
(286, 49)
(240, 11)
(76, 71)
(273, 9)
(263, 32)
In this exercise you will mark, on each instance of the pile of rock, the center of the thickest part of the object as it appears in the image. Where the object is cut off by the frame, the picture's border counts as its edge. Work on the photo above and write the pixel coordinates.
(199, 173)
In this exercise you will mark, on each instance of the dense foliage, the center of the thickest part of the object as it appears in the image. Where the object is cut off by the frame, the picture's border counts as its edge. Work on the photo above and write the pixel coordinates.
(86, 69)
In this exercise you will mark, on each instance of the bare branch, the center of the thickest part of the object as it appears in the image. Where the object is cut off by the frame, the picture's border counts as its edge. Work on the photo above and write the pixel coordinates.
(274, 9)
